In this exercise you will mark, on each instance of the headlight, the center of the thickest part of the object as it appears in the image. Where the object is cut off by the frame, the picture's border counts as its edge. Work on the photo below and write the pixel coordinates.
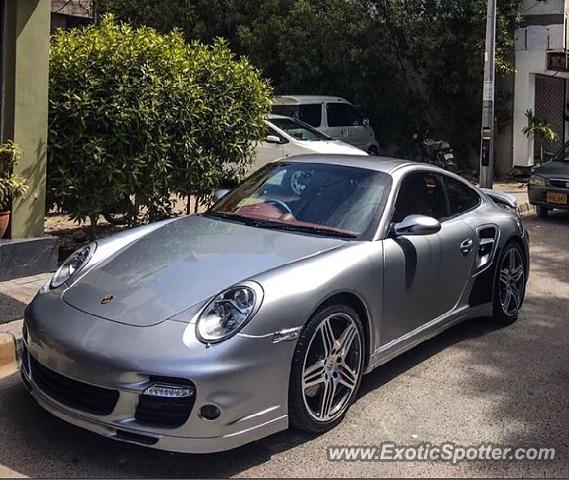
(227, 313)
(537, 180)
(72, 265)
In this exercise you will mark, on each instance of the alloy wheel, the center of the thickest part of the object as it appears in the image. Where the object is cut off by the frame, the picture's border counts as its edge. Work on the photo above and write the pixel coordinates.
(332, 367)
(512, 278)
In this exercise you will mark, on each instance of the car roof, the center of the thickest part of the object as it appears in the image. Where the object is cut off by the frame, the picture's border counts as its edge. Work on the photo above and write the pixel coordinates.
(379, 164)
(303, 99)
(275, 117)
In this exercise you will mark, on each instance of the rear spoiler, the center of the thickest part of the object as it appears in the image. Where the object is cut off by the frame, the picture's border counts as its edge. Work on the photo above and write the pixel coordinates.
(502, 198)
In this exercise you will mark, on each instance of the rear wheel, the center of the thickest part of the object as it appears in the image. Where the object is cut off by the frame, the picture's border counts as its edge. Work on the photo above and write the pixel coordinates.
(510, 285)
(326, 369)
(542, 212)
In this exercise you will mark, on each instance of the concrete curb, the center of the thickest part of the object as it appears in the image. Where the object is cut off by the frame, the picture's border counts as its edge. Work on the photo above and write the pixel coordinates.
(525, 209)
(10, 347)
(8, 353)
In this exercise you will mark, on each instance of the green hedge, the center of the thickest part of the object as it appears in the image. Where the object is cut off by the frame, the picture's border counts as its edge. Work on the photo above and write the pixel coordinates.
(137, 116)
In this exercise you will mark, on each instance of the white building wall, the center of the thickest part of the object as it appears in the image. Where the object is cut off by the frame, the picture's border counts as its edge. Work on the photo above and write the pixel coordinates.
(532, 44)
(544, 7)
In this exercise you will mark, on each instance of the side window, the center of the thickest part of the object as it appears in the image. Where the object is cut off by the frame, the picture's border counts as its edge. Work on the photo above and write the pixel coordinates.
(311, 114)
(421, 193)
(461, 198)
(343, 115)
(285, 110)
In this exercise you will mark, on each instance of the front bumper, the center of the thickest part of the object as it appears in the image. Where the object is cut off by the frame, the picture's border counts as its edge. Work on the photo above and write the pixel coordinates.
(538, 196)
(245, 377)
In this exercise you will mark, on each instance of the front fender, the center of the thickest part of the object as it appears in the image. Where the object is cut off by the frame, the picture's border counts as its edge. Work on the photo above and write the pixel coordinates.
(292, 293)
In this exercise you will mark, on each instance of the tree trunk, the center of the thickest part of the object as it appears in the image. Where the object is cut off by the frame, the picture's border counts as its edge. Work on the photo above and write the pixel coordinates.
(93, 219)
(188, 204)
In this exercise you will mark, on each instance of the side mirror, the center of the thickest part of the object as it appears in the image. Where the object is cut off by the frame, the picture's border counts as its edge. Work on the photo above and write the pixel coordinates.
(219, 194)
(417, 225)
(273, 139)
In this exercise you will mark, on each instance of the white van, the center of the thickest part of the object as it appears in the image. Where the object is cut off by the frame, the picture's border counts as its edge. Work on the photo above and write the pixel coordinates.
(287, 137)
(333, 116)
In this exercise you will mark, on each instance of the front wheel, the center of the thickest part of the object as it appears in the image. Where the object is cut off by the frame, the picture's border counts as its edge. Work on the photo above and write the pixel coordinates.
(326, 369)
(510, 285)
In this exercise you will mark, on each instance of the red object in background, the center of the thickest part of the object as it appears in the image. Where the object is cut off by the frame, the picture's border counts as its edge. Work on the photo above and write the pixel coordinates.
(4, 221)
(265, 211)
(272, 213)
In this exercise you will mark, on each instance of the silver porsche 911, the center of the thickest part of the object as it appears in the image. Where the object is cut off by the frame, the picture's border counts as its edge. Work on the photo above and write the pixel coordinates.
(205, 332)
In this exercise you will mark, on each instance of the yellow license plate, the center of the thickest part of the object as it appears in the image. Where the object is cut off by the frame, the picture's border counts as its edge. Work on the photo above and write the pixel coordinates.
(559, 198)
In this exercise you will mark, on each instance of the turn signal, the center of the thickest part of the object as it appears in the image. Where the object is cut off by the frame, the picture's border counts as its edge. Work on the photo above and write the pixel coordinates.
(169, 391)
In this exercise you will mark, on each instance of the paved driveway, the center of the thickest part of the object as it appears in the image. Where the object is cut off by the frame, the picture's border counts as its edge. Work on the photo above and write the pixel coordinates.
(475, 383)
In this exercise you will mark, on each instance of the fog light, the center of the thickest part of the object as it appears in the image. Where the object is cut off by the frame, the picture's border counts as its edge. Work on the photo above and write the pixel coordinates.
(210, 412)
(169, 391)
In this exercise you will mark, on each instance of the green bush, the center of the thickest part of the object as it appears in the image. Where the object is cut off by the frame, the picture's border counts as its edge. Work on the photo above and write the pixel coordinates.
(136, 116)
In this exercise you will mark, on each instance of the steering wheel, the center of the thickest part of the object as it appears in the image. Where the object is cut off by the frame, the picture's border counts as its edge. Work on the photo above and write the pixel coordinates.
(279, 203)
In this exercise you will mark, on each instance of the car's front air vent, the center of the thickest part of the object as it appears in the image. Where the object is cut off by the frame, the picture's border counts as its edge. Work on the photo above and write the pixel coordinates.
(167, 411)
(74, 394)
(136, 438)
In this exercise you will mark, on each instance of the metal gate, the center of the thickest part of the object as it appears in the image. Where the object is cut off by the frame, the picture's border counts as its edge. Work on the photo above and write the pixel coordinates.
(550, 106)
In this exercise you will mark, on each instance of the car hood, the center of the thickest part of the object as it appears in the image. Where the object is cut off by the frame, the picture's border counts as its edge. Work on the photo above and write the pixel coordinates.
(554, 169)
(331, 146)
(182, 263)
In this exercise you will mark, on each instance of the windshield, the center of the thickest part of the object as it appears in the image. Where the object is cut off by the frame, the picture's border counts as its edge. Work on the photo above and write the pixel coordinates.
(299, 130)
(322, 199)
(563, 154)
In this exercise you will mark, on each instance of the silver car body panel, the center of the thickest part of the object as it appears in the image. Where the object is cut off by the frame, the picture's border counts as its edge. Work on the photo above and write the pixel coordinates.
(163, 275)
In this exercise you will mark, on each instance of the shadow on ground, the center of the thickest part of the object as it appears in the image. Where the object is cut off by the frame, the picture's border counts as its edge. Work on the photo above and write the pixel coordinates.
(10, 309)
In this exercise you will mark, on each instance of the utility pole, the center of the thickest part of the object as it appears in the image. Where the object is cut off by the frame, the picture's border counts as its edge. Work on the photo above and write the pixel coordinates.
(487, 143)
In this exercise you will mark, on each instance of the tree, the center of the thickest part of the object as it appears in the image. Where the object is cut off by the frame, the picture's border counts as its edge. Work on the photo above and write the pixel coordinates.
(136, 116)
(412, 64)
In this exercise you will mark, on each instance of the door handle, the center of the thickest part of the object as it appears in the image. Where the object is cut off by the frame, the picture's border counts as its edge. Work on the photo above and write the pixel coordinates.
(466, 246)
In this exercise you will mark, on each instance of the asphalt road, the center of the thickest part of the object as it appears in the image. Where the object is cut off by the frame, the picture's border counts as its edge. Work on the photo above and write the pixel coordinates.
(475, 383)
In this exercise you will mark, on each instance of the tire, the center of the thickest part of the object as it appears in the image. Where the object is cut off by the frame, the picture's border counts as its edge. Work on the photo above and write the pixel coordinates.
(507, 274)
(323, 387)
(542, 212)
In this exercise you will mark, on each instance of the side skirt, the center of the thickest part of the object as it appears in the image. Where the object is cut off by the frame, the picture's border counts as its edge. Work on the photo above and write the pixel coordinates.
(400, 345)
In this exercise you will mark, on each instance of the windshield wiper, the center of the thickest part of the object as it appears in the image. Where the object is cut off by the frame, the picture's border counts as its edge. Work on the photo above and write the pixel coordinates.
(256, 222)
(306, 229)
(235, 218)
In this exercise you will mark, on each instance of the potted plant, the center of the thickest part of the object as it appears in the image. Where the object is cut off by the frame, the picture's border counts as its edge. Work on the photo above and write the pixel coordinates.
(11, 186)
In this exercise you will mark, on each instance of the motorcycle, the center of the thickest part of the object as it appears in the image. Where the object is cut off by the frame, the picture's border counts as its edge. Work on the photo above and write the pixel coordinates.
(435, 152)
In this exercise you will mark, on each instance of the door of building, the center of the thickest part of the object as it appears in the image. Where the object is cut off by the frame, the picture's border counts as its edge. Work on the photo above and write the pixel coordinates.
(550, 94)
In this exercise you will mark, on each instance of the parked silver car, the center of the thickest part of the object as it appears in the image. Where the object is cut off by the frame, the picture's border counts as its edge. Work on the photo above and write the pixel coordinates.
(205, 332)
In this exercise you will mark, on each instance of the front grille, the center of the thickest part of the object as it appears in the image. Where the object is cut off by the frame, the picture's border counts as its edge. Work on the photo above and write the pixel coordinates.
(74, 394)
(170, 412)
(560, 183)
(165, 411)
